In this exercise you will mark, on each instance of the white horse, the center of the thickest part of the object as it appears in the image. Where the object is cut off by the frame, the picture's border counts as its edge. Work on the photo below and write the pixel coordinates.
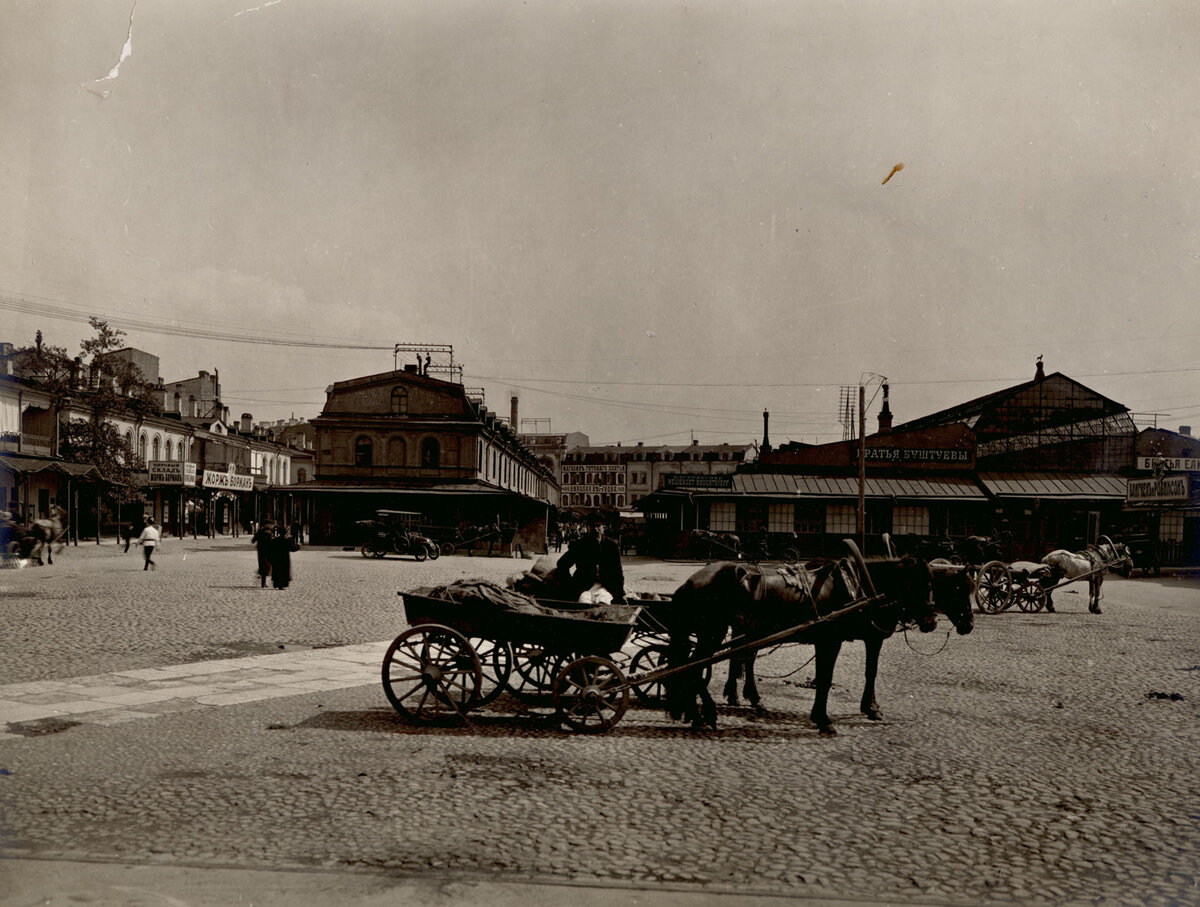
(1076, 565)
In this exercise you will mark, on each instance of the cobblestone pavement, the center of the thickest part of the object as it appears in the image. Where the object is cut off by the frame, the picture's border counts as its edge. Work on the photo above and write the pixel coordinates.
(1047, 758)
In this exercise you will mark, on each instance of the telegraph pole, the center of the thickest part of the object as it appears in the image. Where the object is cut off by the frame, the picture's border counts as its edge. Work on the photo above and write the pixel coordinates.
(862, 470)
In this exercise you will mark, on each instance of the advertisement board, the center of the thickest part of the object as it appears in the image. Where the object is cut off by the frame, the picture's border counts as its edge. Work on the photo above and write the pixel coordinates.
(1170, 464)
(698, 481)
(227, 480)
(170, 472)
(1168, 488)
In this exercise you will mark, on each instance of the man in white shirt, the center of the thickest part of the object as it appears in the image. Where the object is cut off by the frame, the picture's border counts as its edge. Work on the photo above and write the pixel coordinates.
(148, 540)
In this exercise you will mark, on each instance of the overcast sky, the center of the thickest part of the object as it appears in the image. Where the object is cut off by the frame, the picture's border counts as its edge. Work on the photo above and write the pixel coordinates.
(648, 220)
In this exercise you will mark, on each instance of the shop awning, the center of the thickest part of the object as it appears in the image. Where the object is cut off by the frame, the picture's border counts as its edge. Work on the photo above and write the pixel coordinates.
(778, 485)
(24, 464)
(460, 490)
(1053, 486)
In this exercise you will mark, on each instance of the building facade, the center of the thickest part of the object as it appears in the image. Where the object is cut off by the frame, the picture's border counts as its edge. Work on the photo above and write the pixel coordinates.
(406, 441)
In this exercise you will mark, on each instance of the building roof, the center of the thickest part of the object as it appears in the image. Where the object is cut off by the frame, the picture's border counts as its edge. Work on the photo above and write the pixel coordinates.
(808, 486)
(1053, 486)
(26, 464)
(971, 411)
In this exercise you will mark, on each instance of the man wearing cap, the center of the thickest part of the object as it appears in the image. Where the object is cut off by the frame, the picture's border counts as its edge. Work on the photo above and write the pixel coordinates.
(593, 564)
(148, 540)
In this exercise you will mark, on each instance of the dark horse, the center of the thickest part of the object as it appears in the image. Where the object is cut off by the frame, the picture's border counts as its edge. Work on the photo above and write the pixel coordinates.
(727, 596)
(951, 596)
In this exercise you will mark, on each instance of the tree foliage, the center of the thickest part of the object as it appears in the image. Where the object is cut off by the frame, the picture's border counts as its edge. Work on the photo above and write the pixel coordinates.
(105, 385)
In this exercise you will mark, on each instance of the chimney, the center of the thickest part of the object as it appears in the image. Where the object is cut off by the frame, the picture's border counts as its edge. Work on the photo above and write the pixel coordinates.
(247, 425)
(885, 414)
(1185, 430)
(513, 418)
(1041, 372)
(766, 444)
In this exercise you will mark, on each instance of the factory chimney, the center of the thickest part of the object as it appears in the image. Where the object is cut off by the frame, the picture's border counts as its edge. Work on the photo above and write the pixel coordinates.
(513, 419)
(766, 444)
(885, 414)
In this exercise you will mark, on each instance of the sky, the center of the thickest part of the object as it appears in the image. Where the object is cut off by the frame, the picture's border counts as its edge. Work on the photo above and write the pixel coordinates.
(649, 221)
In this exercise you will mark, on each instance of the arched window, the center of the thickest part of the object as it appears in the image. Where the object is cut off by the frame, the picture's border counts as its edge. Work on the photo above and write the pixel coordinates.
(182, 452)
(431, 454)
(142, 446)
(155, 448)
(397, 452)
(167, 455)
(301, 475)
(129, 441)
(362, 451)
(399, 401)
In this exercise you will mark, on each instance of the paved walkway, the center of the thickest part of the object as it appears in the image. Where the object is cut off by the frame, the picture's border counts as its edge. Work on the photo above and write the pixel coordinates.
(122, 696)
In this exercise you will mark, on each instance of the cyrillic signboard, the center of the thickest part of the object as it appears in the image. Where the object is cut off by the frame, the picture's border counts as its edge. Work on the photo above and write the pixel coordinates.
(698, 481)
(171, 472)
(1171, 464)
(1168, 488)
(915, 455)
(228, 480)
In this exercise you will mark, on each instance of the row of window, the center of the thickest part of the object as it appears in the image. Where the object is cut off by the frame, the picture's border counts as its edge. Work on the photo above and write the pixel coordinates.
(832, 519)
(396, 453)
(273, 470)
(593, 500)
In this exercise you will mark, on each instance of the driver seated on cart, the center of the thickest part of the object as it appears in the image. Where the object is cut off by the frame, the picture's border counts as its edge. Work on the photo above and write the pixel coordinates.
(591, 566)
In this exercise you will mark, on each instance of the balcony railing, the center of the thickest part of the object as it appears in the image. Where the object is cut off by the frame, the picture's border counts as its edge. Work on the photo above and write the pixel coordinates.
(24, 442)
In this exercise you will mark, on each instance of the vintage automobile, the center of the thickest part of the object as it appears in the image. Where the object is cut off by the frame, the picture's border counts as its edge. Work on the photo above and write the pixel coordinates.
(396, 532)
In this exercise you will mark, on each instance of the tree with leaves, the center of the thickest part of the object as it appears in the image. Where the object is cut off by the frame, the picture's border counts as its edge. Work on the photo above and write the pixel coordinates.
(106, 386)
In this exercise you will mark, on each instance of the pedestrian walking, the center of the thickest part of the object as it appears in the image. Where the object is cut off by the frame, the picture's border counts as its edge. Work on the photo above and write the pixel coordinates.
(263, 539)
(281, 548)
(149, 540)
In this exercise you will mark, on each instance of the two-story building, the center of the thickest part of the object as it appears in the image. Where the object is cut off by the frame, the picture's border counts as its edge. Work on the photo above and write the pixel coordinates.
(403, 440)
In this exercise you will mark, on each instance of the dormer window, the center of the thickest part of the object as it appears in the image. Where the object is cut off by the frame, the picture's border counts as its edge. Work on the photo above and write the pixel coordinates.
(399, 401)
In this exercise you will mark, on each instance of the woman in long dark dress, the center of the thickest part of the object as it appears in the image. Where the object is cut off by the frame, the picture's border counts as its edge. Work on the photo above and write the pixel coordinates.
(281, 548)
(263, 539)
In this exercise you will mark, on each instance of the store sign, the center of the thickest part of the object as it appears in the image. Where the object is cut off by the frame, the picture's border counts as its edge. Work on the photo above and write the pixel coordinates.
(1168, 488)
(915, 455)
(171, 472)
(698, 481)
(1170, 464)
(227, 480)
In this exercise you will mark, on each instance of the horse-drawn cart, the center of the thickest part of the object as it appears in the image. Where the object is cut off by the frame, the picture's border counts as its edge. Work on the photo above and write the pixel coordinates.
(1029, 585)
(462, 652)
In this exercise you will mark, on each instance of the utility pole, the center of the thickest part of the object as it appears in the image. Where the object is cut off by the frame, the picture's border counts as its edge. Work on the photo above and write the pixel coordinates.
(862, 470)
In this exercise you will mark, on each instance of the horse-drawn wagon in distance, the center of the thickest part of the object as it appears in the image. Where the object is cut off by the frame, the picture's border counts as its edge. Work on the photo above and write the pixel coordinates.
(1030, 585)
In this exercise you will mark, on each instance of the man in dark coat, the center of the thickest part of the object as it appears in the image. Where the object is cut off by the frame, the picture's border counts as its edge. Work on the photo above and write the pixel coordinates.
(593, 564)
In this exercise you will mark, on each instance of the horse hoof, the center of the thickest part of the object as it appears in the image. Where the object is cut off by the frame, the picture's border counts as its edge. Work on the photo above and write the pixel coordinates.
(827, 730)
(874, 715)
(1094, 610)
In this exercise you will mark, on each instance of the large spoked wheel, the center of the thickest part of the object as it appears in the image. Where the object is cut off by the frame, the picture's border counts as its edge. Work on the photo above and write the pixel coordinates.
(789, 556)
(534, 670)
(1031, 597)
(430, 673)
(434, 551)
(368, 550)
(496, 662)
(591, 695)
(649, 659)
(993, 587)
(420, 552)
(448, 548)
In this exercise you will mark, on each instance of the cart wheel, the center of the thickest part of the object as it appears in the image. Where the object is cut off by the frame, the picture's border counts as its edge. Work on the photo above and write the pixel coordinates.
(434, 552)
(420, 552)
(789, 556)
(447, 548)
(534, 670)
(368, 550)
(496, 661)
(591, 694)
(648, 659)
(1031, 597)
(993, 587)
(430, 672)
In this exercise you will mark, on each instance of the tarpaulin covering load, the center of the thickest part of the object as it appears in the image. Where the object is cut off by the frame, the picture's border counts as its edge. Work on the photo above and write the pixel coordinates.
(486, 592)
